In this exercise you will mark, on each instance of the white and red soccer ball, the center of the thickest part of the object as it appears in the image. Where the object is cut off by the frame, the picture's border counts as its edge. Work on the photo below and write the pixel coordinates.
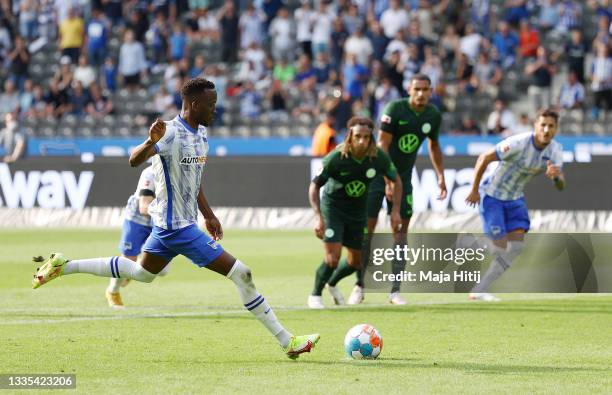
(363, 341)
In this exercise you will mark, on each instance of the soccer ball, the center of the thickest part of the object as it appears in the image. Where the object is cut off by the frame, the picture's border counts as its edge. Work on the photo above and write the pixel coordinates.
(363, 341)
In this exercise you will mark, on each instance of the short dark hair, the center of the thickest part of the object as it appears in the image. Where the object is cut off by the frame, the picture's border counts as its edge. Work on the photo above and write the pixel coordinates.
(195, 86)
(548, 112)
(420, 77)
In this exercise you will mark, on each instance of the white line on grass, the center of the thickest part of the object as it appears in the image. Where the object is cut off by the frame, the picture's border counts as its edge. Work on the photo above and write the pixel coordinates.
(222, 311)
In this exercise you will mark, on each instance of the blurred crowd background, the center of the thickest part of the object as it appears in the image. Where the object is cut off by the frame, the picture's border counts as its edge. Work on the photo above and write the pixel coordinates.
(108, 67)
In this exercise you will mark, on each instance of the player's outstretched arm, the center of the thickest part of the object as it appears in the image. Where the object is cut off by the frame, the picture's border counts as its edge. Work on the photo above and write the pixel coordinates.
(483, 161)
(146, 150)
(436, 158)
(315, 203)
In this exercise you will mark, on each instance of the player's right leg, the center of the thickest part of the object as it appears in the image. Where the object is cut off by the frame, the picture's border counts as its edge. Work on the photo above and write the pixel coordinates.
(376, 194)
(333, 250)
(145, 270)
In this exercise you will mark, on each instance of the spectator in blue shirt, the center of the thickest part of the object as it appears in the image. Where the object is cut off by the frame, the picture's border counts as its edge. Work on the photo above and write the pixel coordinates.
(355, 75)
(178, 43)
(506, 41)
(109, 71)
(97, 38)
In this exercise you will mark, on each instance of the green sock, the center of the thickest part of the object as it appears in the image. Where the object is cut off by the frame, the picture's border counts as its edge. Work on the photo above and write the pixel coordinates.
(343, 270)
(365, 257)
(322, 275)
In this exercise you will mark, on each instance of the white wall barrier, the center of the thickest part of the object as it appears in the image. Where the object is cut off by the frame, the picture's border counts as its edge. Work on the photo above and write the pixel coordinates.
(302, 219)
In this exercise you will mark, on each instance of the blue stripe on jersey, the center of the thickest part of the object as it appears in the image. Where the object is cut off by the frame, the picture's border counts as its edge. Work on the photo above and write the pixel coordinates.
(186, 125)
(156, 147)
(256, 304)
(253, 301)
(169, 193)
(112, 267)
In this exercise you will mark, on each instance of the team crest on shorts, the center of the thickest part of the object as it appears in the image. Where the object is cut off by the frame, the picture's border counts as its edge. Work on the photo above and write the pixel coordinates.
(127, 245)
(329, 233)
(426, 128)
(370, 173)
(213, 244)
(495, 230)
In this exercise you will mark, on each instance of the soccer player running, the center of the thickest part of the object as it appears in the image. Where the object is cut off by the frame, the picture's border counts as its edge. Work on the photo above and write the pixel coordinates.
(179, 148)
(404, 125)
(502, 203)
(341, 216)
(137, 226)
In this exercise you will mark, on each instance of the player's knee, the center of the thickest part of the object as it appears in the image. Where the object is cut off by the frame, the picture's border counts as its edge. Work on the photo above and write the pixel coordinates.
(143, 275)
(164, 271)
(241, 272)
(515, 248)
(332, 261)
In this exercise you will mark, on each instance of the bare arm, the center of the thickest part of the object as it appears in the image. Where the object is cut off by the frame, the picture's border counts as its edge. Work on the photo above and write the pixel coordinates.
(481, 165)
(143, 204)
(146, 150)
(315, 203)
(212, 223)
(436, 158)
(554, 173)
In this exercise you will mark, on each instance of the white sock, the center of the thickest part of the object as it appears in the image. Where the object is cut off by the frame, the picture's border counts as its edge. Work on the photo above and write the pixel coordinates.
(116, 266)
(113, 285)
(501, 262)
(240, 274)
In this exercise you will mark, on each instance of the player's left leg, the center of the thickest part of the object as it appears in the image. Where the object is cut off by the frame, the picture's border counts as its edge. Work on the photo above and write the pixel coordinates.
(401, 238)
(205, 252)
(507, 246)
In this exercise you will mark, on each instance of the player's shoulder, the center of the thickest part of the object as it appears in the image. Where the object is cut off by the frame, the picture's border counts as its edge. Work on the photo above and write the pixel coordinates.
(433, 110)
(334, 156)
(520, 138)
(381, 154)
(394, 105)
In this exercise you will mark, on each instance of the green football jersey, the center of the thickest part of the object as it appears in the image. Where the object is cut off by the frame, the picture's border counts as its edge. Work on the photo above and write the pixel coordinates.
(347, 179)
(409, 130)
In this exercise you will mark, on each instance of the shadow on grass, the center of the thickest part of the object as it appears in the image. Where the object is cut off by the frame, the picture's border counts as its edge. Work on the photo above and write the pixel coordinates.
(469, 367)
(481, 307)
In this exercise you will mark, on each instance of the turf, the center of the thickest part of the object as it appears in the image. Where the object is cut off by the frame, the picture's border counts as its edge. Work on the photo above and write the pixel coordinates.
(186, 333)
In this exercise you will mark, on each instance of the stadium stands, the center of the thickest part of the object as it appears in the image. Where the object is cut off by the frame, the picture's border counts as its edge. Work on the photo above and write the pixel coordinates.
(465, 87)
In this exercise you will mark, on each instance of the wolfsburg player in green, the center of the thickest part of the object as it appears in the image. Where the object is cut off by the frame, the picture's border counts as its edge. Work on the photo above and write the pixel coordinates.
(341, 216)
(404, 125)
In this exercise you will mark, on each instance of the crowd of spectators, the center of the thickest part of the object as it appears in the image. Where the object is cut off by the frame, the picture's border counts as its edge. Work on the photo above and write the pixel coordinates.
(310, 58)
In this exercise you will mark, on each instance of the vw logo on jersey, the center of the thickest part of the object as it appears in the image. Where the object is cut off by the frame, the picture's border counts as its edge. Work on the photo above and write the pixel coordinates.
(355, 188)
(370, 173)
(426, 128)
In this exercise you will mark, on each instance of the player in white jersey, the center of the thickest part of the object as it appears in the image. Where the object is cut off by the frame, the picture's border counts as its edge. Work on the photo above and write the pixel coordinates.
(502, 202)
(179, 149)
(137, 226)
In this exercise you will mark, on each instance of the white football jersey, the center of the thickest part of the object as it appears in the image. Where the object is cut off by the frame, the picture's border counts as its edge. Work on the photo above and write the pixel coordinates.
(178, 166)
(132, 212)
(519, 161)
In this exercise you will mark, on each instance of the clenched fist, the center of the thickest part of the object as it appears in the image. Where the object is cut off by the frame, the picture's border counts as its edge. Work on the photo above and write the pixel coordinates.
(157, 130)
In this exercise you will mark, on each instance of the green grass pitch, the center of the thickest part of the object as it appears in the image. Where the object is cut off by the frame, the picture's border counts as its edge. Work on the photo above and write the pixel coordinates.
(187, 333)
